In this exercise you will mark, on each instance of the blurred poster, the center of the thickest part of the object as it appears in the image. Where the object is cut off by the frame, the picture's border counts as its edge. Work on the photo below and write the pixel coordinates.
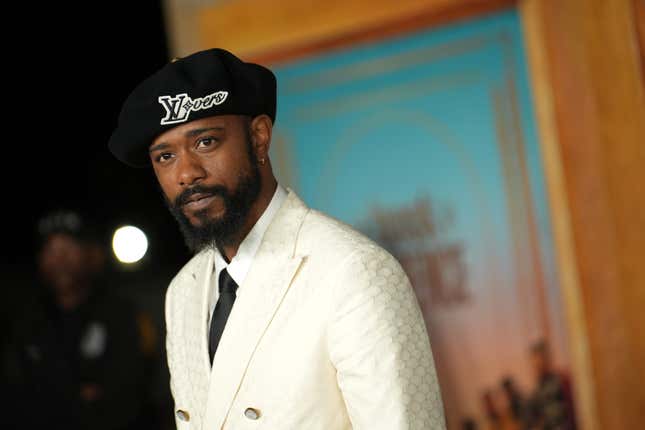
(427, 143)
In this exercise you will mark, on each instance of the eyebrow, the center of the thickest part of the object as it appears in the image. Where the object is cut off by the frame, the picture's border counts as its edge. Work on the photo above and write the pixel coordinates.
(189, 133)
(198, 131)
(158, 147)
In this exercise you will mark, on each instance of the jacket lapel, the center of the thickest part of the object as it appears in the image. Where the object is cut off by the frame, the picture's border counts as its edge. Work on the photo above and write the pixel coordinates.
(259, 297)
(204, 278)
(193, 330)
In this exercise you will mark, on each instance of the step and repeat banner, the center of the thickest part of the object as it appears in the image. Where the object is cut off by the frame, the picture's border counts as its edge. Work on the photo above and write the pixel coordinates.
(427, 143)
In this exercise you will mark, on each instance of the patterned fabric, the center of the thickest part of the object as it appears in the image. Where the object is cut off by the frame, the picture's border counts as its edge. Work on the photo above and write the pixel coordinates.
(326, 333)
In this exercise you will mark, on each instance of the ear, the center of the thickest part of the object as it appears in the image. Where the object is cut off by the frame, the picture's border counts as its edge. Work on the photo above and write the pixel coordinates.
(261, 129)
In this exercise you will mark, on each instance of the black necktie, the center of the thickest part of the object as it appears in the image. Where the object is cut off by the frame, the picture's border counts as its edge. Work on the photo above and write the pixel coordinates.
(227, 287)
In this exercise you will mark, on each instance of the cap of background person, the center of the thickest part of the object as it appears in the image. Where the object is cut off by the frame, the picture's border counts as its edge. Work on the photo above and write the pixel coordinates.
(68, 222)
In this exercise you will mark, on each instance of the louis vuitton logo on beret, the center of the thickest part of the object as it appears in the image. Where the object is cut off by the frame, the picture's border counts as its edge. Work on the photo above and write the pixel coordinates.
(178, 108)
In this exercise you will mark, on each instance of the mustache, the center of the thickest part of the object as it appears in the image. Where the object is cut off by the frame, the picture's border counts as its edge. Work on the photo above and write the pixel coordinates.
(215, 190)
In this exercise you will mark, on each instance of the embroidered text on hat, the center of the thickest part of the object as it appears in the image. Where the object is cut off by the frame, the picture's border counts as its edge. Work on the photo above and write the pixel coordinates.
(178, 108)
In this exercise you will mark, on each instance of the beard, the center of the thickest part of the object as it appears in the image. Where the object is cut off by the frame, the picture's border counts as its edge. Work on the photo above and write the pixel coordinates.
(224, 230)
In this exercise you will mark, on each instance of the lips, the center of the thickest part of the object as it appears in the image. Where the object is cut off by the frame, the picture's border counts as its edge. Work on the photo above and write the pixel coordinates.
(198, 201)
(196, 197)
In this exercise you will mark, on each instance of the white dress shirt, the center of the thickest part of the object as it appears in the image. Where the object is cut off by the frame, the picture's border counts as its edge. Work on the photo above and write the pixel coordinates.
(241, 262)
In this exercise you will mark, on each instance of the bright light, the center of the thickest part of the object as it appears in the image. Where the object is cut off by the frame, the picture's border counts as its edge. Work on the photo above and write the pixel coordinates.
(129, 244)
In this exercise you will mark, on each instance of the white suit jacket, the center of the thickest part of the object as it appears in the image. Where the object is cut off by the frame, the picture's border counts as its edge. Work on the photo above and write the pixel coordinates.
(325, 334)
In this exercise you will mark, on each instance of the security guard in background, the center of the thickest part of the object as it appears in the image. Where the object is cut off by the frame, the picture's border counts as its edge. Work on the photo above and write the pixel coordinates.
(78, 357)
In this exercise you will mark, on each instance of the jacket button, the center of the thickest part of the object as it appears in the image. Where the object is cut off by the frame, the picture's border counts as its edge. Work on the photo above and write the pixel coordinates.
(252, 414)
(183, 415)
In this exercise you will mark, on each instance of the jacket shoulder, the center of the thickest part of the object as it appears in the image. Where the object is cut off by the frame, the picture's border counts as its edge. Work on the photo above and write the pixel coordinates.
(185, 273)
(323, 234)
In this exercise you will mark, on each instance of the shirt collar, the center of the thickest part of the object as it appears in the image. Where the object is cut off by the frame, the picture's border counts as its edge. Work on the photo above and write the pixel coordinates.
(239, 266)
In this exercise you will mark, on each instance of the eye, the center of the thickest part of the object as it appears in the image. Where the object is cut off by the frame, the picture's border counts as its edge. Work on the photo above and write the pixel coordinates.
(163, 157)
(206, 142)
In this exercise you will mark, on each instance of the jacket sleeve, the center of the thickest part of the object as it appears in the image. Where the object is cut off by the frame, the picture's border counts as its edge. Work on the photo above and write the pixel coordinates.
(378, 342)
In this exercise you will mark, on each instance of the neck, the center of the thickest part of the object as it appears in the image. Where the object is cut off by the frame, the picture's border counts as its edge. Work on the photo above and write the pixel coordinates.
(229, 250)
(71, 299)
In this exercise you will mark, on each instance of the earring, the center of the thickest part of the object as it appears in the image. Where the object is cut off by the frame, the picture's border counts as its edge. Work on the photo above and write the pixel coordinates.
(262, 161)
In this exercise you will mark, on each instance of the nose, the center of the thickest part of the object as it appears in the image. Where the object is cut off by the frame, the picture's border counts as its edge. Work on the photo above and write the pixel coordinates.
(190, 171)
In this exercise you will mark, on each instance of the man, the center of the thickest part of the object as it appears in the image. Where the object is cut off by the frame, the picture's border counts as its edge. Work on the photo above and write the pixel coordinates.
(284, 318)
(74, 352)
(551, 404)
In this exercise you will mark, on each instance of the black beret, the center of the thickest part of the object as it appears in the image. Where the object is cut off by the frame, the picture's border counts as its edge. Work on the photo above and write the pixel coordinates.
(204, 84)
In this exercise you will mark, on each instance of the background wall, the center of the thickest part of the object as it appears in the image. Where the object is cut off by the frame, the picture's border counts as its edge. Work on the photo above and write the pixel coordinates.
(586, 74)
(426, 143)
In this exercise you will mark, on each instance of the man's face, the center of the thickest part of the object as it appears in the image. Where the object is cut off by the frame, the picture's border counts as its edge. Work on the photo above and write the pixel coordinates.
(62, 262)
(209, 176)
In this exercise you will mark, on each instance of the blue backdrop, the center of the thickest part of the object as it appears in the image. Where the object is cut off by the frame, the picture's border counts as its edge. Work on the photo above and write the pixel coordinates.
(427, 143)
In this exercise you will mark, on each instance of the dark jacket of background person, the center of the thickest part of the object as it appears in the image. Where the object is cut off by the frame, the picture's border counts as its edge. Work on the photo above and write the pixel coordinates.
(79, 369)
